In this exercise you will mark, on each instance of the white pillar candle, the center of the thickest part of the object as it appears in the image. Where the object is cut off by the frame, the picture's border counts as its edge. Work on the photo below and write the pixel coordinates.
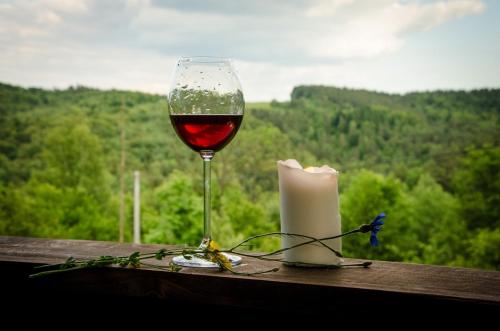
(309, 205)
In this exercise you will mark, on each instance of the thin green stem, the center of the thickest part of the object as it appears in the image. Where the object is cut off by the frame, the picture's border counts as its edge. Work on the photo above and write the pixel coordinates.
(50, 272)
(136, 259)
(232, 250)
(254, 237)
(312, 240)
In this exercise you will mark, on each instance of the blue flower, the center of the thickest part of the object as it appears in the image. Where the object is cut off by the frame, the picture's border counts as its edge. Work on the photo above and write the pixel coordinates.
(375, 226)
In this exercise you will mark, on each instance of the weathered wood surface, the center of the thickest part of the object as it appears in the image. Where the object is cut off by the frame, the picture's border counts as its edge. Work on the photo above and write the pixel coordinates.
(305, 290)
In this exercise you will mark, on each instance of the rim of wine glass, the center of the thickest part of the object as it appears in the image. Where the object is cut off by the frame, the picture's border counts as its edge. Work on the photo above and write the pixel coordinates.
(205, 59)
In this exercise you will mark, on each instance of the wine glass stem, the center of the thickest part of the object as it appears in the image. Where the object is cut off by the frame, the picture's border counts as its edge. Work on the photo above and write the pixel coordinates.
(207, 185)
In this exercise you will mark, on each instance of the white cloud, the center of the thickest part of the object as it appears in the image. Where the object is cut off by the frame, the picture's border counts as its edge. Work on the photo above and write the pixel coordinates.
(326, 7)
(310, 31)
(317, 30)
(132, 43)
(383, 29)
(48, 17)
(66, 6)
(100, 67)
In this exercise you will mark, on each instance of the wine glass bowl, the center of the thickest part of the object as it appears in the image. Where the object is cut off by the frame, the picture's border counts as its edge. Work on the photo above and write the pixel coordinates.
(205, 85)
(206, 107)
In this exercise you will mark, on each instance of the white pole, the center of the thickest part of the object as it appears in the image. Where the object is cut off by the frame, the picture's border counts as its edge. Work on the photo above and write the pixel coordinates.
(137, 207)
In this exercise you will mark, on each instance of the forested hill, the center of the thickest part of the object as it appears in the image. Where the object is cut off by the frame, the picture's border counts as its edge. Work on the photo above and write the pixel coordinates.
(359, 128)
(430, 160)
(478, 101)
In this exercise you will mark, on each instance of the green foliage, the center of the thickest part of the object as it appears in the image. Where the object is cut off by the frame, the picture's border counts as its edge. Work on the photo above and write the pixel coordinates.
(483, 249)
(72, 158)
(424, 224)
(178, 212)
(429, 160)
(68, 193)
(367, 195)
(477, 183)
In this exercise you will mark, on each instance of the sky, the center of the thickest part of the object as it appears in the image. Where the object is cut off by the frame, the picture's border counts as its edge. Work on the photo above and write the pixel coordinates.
(382, 45)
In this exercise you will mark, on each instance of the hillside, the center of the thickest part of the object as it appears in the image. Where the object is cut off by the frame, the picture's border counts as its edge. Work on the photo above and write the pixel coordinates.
(430, 160)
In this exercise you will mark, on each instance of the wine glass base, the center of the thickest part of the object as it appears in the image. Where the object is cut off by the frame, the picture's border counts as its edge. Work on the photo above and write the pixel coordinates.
(196, 262)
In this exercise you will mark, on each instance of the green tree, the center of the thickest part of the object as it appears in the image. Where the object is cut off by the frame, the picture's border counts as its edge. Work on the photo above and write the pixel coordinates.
(477, 184)
(179, 213)
(367, 195)
(484, 249)
(68, 196)
(72, 158)
(436, 218)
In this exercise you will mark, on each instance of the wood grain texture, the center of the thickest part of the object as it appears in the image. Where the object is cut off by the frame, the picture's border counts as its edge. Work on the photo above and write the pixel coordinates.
(304, 290)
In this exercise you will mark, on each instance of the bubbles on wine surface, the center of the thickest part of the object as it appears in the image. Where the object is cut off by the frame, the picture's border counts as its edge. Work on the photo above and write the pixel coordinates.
(205, 88)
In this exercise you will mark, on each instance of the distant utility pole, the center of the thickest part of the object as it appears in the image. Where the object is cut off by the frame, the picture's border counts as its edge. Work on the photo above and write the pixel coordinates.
(137, 207)
(122, 172)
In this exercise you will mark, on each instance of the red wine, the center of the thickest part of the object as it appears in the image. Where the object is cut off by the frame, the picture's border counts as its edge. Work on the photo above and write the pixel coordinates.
(206, 132)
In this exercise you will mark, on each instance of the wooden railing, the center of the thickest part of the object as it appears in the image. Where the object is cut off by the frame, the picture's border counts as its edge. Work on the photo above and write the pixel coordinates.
(402, 288)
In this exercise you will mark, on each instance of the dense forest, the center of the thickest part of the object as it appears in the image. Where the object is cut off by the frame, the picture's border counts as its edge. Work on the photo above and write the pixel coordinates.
(430, 160)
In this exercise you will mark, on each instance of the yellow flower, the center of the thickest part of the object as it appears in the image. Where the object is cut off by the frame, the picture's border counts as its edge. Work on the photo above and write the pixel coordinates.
(222, 259)
(213, 246)
(217, 257)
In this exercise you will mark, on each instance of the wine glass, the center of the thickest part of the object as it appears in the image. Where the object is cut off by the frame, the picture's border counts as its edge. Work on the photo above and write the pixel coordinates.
(206, 108)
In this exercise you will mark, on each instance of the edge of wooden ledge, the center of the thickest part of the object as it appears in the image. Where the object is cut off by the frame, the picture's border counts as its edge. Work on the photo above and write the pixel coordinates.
(398, 278)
